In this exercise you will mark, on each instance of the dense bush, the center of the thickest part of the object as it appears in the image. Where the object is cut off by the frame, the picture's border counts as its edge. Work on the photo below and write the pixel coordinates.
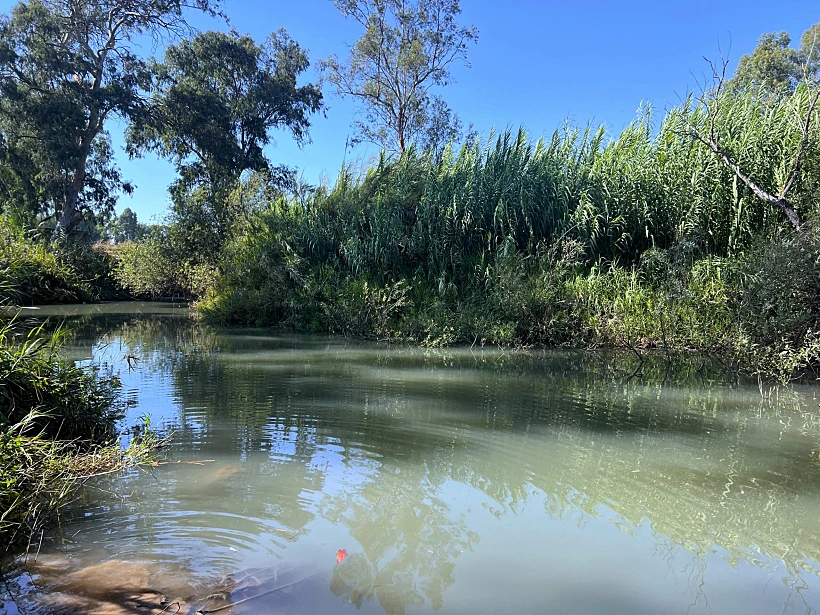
(60, 272)
(647, 240)
(152, 269)
(32, 274)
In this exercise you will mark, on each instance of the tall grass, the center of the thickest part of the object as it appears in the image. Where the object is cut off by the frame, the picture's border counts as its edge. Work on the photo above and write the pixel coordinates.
(646, 188)
(57, 428)
(39, 476)
(579, 238)
(70, 402)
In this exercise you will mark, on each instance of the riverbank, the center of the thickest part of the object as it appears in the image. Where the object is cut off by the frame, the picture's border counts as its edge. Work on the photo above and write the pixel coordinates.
(57, 429)
(640, 240)
(756, 312)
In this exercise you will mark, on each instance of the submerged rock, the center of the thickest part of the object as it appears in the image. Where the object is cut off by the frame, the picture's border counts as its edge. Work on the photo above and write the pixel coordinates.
(223, 474)
(119, 587)
(111, 588)
(353, 579)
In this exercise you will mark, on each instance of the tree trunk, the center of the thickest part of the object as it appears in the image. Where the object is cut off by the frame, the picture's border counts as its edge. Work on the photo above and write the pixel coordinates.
(69, 217)
(792, 215)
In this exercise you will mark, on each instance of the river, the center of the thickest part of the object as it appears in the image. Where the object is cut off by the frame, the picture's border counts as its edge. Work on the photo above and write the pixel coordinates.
(468, 480)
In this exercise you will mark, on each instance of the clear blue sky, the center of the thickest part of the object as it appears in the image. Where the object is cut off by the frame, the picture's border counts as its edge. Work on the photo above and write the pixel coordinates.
(536, 64)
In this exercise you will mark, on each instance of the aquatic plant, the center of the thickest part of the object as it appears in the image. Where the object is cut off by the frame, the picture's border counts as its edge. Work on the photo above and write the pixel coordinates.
(57, 428)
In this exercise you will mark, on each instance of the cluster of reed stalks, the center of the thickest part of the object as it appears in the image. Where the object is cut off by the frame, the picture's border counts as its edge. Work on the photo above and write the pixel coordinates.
(57, 427)
(646, 239)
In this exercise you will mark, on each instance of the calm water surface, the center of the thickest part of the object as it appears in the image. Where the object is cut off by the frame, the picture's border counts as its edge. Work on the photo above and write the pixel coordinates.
(458, 481)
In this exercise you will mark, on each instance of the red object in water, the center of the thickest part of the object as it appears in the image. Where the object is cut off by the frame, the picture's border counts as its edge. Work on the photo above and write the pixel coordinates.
(340, 555)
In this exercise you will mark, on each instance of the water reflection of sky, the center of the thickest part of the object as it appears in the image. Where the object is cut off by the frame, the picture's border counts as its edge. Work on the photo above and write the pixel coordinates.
(460, 481)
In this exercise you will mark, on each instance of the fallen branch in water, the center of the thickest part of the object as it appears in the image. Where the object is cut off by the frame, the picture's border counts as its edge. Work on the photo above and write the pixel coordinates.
(201, 462)
(248, 599)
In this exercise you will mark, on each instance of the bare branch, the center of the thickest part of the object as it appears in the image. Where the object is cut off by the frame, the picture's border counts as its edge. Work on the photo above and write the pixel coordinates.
(710, 101)
(805, 143)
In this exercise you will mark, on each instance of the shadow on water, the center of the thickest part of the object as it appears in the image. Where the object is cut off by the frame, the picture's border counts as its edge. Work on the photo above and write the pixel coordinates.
(455, 478)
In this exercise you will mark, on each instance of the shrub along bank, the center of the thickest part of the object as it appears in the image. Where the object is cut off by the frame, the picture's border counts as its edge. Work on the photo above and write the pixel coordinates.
(57, 427)
(36, 273)
(648, 240)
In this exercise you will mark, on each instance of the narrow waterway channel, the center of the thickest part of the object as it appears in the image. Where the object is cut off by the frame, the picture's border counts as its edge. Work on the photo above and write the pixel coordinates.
(400, 480)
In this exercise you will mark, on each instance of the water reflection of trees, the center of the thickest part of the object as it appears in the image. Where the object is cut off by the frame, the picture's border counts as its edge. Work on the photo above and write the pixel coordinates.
(704, 461)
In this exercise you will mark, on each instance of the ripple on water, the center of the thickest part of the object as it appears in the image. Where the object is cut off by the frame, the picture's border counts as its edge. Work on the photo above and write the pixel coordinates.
(460, 481)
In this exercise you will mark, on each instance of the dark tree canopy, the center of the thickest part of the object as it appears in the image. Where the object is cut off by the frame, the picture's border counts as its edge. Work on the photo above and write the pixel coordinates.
(67, 67)
(406, 50)
(216, 100)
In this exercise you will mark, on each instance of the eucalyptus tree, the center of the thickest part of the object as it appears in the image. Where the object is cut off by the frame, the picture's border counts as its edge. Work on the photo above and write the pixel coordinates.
(775, 65)
(216, 100)
(66, 68)
(406, 51)
(126, 227)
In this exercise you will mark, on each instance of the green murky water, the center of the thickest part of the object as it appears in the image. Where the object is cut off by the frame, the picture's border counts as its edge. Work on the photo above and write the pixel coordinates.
(457, 481)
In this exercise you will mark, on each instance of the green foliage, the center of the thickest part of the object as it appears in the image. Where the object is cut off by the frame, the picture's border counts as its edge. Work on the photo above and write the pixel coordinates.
(218, 96)
(775, 66)
(40, 476)
(779, 284)
(156, 267)
(61, 272)
(216, 99)
(446, 216)
(126, 227)
(182, 259)
(71, 403)
(406, 49)
(32, 274)
(57, 424)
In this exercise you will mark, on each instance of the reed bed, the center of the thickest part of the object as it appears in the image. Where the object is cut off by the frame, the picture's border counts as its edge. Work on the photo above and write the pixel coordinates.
(576, 239)
(650, 187)
(57, 428)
